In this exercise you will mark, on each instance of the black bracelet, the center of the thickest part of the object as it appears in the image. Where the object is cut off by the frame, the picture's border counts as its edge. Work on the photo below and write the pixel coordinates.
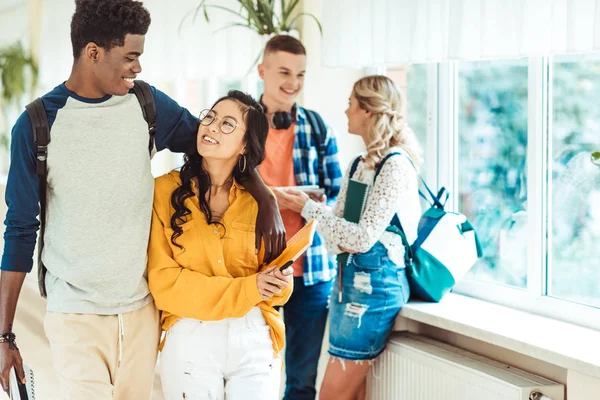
(9, 338)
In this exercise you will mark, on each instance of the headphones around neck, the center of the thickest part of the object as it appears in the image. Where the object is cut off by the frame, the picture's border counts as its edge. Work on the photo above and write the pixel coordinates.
(281, 119)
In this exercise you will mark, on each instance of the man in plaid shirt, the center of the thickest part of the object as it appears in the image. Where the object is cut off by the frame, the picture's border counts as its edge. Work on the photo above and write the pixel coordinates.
(292, 159)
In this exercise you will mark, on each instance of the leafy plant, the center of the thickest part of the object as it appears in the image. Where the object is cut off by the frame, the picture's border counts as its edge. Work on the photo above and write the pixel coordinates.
(596, 158)
(264, 17)
(14, 63)
(18, 73)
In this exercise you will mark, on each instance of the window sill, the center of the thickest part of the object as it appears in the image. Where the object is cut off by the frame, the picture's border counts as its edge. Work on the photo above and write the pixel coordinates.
(556, 342)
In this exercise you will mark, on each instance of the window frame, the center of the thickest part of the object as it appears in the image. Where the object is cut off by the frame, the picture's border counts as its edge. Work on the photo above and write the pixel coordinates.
(441, 156)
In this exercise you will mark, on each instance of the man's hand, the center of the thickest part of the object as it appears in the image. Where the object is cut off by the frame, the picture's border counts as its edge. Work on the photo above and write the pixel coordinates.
(279, 195)
(272, 281)
(269, 227)
(10, 358)
(10, 287)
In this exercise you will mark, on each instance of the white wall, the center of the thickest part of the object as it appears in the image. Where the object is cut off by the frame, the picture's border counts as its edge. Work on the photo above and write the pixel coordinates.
(13, 20)
(582, 387)
(326, 90)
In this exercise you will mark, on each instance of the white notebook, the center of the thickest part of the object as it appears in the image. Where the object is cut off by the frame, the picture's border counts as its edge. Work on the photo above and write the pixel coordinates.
(308, 189)
(19, 391)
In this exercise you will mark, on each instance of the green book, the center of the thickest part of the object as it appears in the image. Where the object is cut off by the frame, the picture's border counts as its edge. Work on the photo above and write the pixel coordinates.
(356, 201)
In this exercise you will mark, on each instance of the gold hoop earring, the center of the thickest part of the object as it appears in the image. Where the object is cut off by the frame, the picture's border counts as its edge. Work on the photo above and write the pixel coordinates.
(242, 170)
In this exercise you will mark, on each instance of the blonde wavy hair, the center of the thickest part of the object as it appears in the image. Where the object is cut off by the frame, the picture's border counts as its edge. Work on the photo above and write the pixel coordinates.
(388, 129)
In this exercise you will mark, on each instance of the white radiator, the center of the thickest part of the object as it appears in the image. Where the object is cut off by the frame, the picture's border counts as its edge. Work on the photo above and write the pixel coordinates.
(417, 368)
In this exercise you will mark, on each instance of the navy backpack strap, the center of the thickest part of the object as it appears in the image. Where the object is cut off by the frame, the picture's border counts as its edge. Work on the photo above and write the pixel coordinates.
(435, 201)
(382, 162)
(354, 167)
(395, 225)
(41, 138)
(143, 92)
(318, 131)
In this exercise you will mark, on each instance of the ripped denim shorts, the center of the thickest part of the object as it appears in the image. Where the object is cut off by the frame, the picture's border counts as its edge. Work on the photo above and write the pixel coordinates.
(374, 289)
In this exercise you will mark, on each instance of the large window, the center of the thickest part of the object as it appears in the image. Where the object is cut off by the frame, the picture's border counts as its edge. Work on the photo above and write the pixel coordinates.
(492, 148)
(513, 140)
(413, 83)
(411, 80)
(574, 262)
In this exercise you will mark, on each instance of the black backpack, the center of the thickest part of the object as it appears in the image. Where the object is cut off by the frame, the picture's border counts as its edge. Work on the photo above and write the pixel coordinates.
(41, 138)
(319, 135)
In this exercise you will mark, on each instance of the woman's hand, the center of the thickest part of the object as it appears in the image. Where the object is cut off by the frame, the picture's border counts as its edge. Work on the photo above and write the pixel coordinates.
(291, 199)
(272, 281)
(345, 250)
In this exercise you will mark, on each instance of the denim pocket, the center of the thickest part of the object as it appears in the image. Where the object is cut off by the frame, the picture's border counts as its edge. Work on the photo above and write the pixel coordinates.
(374, 259)
(367, 261)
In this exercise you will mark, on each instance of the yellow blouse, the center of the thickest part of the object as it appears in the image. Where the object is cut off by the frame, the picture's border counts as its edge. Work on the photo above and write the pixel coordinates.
(214, 276)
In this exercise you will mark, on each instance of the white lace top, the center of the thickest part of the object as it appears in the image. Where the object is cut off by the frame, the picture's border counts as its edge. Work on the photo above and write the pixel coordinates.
(394, 191)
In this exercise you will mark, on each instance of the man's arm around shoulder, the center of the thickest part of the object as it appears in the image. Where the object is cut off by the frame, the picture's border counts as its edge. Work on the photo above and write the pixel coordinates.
(176, 127)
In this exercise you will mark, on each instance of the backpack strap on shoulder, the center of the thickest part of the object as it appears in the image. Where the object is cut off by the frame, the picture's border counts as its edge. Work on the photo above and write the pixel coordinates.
(143, 92)
(382, 162)
(354, 167)
(435, 200)
(318, 131)
(41, 133)
(41, 138)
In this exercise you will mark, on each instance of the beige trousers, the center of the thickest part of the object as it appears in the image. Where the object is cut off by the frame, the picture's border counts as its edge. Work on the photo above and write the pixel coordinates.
(103, 357)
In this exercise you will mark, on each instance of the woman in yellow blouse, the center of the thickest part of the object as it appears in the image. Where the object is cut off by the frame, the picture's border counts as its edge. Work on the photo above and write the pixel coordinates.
(223, 333)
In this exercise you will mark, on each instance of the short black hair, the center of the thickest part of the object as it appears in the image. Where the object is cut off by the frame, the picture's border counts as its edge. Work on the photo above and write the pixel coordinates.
(106, 23)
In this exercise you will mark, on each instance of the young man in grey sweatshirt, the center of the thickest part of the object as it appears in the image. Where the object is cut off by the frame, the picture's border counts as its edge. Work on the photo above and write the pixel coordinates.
(101, 321)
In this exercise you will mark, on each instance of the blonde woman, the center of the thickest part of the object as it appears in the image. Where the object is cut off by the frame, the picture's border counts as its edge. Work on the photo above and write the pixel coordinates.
(372, 285)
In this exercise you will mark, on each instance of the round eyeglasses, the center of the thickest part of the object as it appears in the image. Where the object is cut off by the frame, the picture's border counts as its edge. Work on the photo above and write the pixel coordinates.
(227, 125)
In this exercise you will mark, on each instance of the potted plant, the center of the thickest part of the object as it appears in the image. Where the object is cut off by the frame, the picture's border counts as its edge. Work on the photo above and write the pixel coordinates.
(18, 74)
(265, 17)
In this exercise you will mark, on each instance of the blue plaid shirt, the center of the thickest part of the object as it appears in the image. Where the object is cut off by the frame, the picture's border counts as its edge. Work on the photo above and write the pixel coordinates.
(318, 265)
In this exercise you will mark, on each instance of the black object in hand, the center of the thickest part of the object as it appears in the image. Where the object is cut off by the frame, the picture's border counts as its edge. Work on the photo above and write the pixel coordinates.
(286, 265)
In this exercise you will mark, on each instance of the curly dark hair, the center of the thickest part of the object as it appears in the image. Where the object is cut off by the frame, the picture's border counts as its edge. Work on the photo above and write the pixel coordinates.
(106, 23)
(257, 128)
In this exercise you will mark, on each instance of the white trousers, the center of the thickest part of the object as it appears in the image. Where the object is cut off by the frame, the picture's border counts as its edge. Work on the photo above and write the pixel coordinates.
(230, 359)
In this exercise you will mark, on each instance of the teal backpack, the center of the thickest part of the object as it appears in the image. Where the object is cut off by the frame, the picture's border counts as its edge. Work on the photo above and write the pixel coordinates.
(445, 249)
